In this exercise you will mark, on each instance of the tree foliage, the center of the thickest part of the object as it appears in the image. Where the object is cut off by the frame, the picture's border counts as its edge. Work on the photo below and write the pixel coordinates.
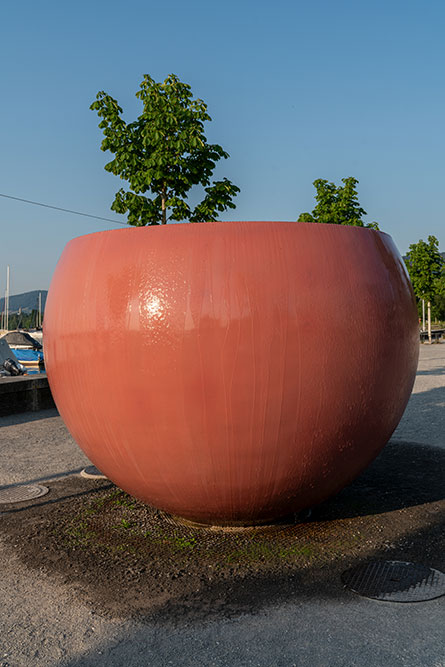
(164, 152)
(337, 205)
(439, 298)
(425, 266)
(23, 320)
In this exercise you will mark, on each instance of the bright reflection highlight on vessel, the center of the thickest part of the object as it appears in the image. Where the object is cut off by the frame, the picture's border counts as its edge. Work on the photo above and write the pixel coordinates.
(152, 306)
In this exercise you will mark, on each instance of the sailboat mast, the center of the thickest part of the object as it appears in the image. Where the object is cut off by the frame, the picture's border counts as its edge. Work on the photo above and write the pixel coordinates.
(7, 299)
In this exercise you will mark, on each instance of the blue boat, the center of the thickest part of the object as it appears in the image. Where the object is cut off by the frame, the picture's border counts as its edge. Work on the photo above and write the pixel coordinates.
(29, 358)
(28, 350)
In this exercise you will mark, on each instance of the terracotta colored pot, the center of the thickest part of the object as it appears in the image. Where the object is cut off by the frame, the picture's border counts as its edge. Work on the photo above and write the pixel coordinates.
(231, 372)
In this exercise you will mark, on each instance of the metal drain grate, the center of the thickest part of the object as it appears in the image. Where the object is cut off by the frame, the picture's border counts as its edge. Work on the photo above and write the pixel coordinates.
(395, 581)
(91, 472)
(278, 526)
(21, 493)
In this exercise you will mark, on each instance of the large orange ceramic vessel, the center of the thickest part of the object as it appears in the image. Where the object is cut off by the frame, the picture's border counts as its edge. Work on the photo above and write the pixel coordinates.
(231, 372)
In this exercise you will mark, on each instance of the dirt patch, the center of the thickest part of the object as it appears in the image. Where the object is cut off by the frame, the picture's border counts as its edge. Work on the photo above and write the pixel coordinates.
(129, 559)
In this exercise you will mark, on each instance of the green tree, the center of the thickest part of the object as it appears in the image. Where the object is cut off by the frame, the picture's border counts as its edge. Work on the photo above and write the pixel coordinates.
(164, 152)
(425, 266)
(337, 205)
(439, 298)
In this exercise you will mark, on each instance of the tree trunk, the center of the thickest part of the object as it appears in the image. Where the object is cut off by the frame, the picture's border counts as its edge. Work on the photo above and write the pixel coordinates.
(423, 314)
(429, 321)
(164, 210)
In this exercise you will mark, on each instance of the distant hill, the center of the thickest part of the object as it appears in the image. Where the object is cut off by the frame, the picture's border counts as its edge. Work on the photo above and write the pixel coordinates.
(28, 301)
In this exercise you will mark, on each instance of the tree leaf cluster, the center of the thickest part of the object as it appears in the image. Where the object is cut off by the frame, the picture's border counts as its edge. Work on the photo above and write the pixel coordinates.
(23, 320)
(337, 205)
(163, 153)
(426, 268)
(439, 298)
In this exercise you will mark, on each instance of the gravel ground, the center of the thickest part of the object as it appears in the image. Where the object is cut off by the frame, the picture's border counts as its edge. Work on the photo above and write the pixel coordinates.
(35, 446)
(48, 620)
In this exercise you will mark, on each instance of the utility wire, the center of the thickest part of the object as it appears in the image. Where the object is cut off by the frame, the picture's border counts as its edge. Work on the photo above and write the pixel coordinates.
(65, 210)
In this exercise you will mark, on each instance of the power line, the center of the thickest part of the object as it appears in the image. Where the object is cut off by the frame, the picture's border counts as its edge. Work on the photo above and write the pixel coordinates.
(65, 210)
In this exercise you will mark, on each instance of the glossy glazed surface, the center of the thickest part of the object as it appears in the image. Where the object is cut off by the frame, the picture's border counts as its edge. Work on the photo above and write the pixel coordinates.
(231, 372)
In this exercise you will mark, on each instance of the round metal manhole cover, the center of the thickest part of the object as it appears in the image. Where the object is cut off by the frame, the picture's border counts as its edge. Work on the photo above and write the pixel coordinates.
(22, 493)
(395, 581)
(91, 472)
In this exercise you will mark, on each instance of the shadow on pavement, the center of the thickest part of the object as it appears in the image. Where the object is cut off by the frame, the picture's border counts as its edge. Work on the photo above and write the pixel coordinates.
(25, 417)
(393, 511)
(47, 478)
(19, 508)
(404, 475)
(432, 371)
(424, 418)
(178, 629)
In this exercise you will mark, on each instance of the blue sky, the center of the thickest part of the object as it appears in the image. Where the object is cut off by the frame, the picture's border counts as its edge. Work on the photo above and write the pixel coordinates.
(296, 90)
